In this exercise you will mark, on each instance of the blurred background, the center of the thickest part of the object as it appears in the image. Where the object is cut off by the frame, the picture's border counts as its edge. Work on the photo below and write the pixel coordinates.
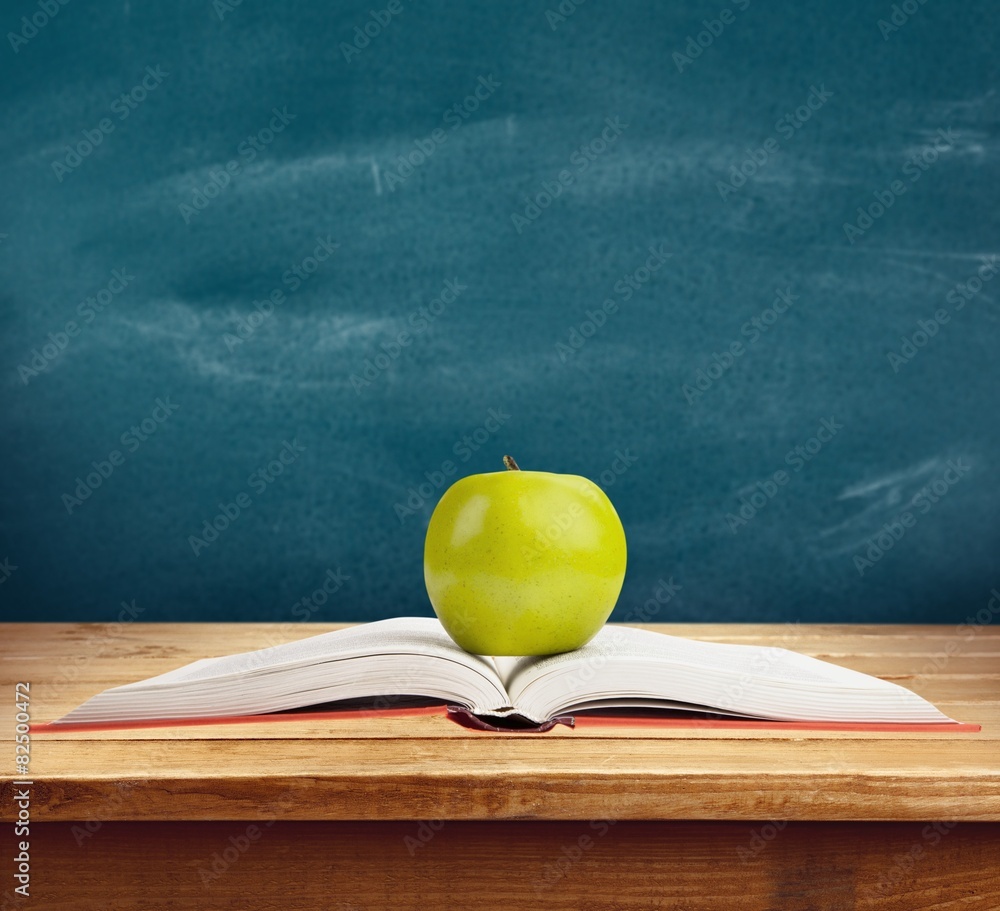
(273, 277)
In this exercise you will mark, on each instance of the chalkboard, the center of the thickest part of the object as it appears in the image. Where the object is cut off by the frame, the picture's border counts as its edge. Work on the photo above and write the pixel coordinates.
(266, 268)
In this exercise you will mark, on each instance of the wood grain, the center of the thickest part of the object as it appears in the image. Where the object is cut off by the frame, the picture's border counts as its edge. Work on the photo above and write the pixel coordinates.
(408, 866)
(415, 811)
(518, 778)
(415, 767)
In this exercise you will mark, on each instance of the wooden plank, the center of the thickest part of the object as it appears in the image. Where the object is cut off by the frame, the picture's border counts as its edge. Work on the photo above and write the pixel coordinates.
(502, 778)
(407, 767)
(299, 866)
(151, 809)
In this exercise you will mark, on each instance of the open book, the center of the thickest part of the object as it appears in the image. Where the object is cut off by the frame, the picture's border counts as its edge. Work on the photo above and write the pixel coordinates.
(621, 667)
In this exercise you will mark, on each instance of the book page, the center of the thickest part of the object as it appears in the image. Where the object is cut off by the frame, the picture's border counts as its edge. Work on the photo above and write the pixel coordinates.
(624, 663)
(399, 635)
(405, 656)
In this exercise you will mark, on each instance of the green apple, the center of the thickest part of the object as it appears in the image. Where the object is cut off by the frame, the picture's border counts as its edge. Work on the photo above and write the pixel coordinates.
(523, 562)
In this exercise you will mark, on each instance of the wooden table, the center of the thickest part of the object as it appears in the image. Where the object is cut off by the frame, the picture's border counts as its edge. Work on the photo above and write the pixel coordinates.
(414, 811)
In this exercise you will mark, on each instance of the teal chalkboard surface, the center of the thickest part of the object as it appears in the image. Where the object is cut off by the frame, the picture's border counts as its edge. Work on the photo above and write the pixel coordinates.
(273, 275)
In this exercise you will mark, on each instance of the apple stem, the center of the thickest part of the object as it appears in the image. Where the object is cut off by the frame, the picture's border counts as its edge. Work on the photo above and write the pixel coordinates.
(510, 464)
